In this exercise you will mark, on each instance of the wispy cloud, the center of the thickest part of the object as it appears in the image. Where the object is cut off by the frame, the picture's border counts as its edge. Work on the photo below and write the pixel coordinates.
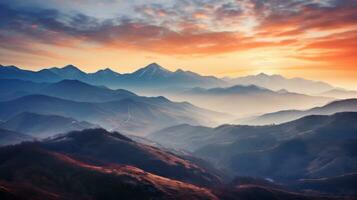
(309, 29)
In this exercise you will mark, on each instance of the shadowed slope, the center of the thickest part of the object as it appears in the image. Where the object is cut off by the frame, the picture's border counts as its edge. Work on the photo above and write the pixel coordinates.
(107, 147)
(27, 167)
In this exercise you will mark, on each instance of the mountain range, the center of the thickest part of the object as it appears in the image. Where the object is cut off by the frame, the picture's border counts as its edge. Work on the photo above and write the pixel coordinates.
(155, 77)
(298, 140)
(93, 164)
(315, 146)
(245, 93)
(128, 115)
(112, 109)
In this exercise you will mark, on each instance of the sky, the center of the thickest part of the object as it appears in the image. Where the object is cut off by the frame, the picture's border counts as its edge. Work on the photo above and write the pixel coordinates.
(315, 39)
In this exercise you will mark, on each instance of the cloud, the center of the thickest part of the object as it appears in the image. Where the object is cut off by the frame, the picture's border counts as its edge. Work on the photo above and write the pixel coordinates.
(196, 27)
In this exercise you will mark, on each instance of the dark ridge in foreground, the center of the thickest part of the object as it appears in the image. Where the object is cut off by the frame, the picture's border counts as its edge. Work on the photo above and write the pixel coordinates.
(30, 172)
(102, 146)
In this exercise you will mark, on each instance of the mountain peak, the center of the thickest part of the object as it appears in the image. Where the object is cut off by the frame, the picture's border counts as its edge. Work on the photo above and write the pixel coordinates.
(106, 71)
(68, 72)
(180, 71)
(155, 66)
(151, 70)
(10, 67)
(262, 74)
(71, 67)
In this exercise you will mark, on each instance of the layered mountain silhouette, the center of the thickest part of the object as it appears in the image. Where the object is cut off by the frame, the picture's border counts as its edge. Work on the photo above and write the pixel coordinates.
(15, 88)
(66, 89)
(108, 108)
(248, 100)
(52, 146)
(42, 126)
(312, 147)
(155, 76)
(346, 105)
(151, 75)
(13, 72)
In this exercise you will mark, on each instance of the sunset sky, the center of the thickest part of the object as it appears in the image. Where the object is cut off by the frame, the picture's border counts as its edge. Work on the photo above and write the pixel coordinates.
(315, 39)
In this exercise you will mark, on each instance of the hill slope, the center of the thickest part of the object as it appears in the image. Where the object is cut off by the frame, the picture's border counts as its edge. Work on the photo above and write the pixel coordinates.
(311, 147)
(107, 147)
(52, 175)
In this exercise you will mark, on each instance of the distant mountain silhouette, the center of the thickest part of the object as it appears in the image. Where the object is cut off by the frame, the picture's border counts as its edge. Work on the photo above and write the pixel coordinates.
(247, 100)
(41, 126)
(278, 82)
(237, 89)
(346, 105)
(13, 72)
(68, 72)
(151, 75)
(66, 89)
(311, 147)
(8, 137)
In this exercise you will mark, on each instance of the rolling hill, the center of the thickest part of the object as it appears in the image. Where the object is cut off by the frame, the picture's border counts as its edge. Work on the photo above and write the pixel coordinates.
(89, 165)
(311, 147)
(106, 147)
(30, 172)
